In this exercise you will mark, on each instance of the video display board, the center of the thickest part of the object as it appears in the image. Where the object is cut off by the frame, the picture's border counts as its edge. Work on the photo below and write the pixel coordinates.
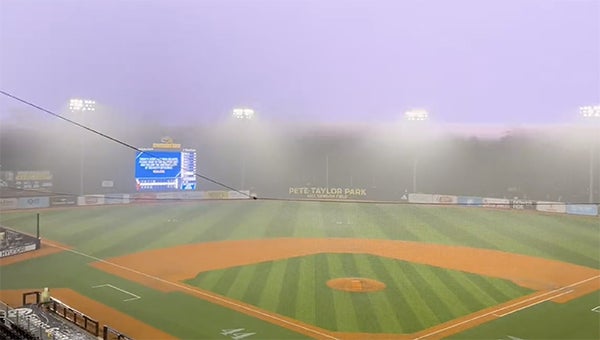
(165, 170)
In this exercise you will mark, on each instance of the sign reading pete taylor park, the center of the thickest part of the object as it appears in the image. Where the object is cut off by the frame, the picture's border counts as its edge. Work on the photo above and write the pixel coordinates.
(328, 193)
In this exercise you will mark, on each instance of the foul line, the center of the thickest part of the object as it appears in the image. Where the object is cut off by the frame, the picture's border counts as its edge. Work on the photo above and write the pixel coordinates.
(534, 303)
(512, 305)
(215, 297)
(135, 297)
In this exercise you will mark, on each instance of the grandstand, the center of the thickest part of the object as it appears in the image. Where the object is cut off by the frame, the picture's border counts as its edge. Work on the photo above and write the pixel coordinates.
(13, 242)
(52, 320)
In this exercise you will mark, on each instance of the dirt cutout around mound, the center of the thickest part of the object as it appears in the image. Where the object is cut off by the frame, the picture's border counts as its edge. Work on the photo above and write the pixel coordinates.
(163, 269)
(356, 284)
(102, 313)
(45, 250)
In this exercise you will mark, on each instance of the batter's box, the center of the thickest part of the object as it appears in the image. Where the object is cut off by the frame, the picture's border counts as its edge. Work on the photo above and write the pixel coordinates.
(133, 296)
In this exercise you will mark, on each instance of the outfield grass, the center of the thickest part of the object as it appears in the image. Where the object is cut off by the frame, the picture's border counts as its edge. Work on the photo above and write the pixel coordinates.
(116, 230)
(548, 320)
(110, 231)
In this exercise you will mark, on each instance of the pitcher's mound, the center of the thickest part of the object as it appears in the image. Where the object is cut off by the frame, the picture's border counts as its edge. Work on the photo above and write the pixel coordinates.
(356, 284)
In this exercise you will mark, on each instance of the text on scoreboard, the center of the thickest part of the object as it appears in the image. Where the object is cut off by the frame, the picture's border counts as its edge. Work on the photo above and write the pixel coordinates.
(158, 170)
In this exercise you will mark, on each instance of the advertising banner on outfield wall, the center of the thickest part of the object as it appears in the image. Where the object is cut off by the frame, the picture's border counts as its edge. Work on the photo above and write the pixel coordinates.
(470, 200)
(582, 209)
(445, 199)
(192, 195)
(144, 197)
(420, 198)
(8, 203)
(501, 203)
(239, 195)
(10, 251)
(33, 202)
(60, 201)
(116, 199)
(90, 200)
(166, 196)
(555, 207)
(216, 195)
(522, 204)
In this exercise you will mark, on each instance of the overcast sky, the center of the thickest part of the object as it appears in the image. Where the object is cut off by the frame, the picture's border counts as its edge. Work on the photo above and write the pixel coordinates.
(466, 61)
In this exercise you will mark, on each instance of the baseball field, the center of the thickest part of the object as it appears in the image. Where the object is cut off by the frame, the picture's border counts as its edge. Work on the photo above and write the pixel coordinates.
(326, 270)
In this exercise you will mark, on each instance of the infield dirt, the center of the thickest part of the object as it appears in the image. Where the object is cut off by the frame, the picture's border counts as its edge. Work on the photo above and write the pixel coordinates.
(163, 269)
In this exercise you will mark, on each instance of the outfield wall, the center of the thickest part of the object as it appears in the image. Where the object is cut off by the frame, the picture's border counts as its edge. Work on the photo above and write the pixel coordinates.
(504, 203)
(417, 198)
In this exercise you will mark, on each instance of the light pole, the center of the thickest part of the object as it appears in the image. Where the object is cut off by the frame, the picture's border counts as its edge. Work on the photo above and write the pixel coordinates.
(78, 105)
(416, 115)
(591, 113)
(243, 114)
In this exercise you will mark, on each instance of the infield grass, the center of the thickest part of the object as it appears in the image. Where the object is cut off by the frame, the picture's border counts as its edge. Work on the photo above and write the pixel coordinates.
(416, 297)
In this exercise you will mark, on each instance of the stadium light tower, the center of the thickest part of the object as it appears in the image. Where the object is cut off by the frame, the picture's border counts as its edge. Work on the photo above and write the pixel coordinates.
(416, 115)
(592, 114)
(243, 114)
(80, 106)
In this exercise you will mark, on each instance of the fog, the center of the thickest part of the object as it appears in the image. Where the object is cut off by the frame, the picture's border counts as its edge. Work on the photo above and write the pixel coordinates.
(330, 83)
(267, 157)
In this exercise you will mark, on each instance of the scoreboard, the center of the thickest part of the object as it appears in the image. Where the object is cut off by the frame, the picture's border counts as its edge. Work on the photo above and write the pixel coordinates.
(165, 170)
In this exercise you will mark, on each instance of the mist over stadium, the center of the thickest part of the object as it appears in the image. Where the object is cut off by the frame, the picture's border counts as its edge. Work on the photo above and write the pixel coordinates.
(266, 169)
(267, 158)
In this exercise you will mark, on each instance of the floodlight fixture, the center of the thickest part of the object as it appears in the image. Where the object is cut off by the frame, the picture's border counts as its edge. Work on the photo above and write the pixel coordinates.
(590, 111)
(80, 105)
(243, 113)
(416, 114)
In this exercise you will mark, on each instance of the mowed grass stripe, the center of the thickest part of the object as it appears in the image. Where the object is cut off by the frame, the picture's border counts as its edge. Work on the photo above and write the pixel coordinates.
(221, 228)
(270, 294)
(549, 231)
(449, 292)
(226, 280)
(391, 222)
(255, 223)
(137, 235)
(288, 294)
(130, 236)
(346, 311)
(448, 222)
(207, 280)
(403, 297)
(305, 306)
(458, 298)
(420, 276)
(577, 228)
(383, 309)
(325, 313)
(279, 225)
(335, 220)
(309, 222)
(479, 297)
(256, 282)
(187, 223)
(489, 287)
(239, 288)
(92, 223)
(510, 288)
(555, 250)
